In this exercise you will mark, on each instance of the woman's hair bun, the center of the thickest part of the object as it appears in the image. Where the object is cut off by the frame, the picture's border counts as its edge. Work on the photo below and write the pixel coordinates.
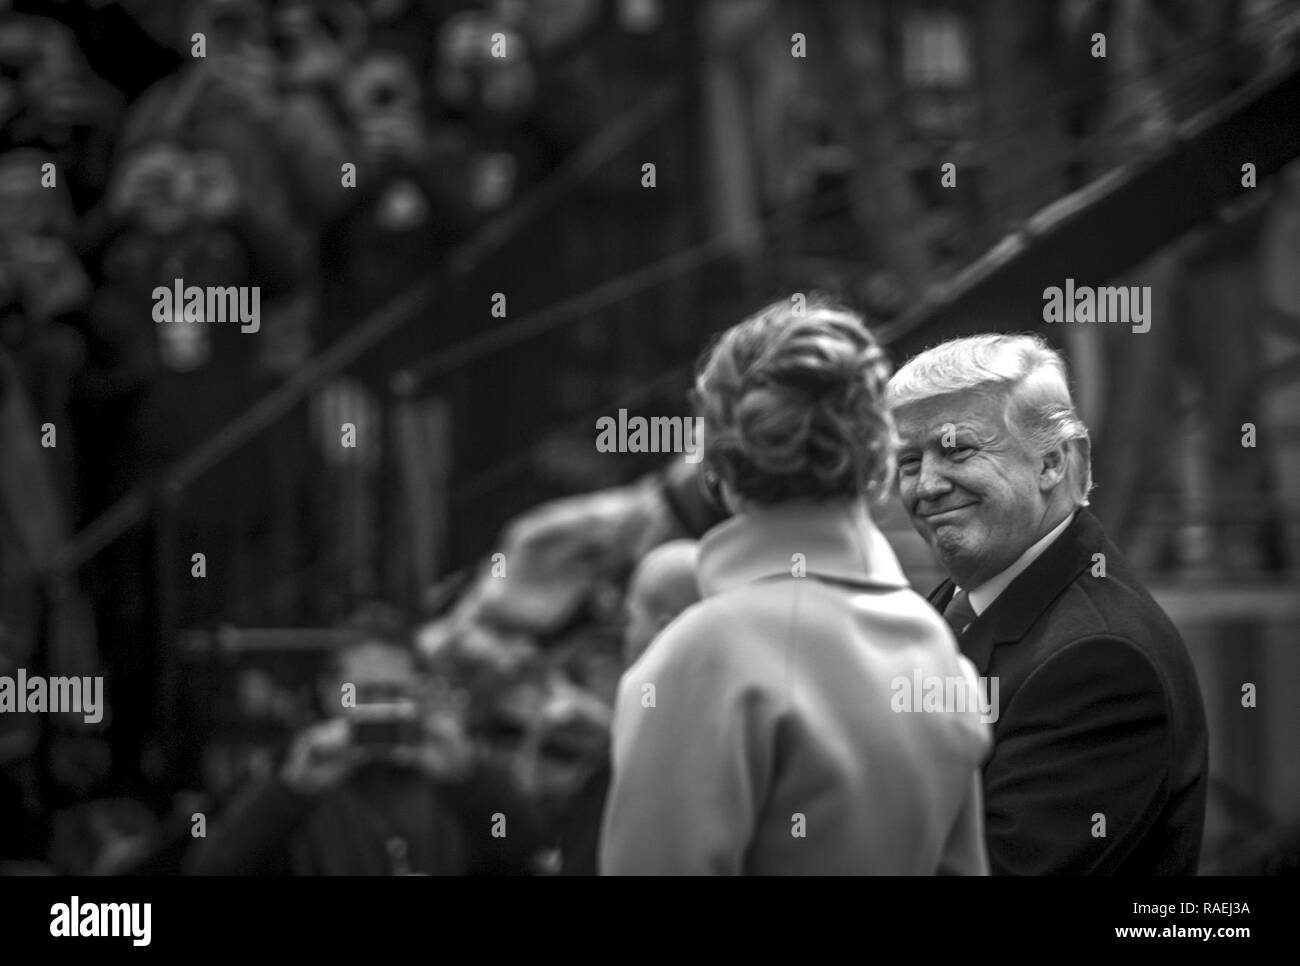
(793, 404)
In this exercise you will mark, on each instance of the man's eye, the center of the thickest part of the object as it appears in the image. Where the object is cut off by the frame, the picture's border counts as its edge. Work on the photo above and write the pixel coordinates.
(908, 467)
(960, 452)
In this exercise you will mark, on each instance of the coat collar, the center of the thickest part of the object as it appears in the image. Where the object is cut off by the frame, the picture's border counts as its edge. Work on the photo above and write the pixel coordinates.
(1016, 609)
(837, 538)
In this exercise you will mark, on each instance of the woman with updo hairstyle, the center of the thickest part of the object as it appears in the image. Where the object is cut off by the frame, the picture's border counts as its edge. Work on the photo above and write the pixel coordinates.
(773, 727)
(793, 407)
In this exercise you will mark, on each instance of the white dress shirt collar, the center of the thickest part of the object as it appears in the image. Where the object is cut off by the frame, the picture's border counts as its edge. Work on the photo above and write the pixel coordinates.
(989, 591)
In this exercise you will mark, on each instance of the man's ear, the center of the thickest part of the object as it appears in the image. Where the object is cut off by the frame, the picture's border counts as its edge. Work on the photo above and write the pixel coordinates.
(1053, 466)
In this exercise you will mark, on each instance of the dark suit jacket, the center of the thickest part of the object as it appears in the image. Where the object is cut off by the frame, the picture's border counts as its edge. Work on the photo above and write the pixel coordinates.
(1099, 712)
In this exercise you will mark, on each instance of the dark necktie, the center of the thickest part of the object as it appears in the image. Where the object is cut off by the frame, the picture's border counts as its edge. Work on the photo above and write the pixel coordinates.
(959, 613)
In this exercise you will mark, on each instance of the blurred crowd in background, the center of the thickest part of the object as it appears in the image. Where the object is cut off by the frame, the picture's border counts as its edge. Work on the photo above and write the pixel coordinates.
(331, 153)
(337, 153)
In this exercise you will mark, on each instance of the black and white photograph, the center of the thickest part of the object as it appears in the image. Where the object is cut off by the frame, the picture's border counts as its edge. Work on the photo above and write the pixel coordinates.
(650, 438)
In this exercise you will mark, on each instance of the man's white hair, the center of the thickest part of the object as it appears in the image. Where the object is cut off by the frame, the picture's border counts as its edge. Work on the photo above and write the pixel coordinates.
(1023, 370)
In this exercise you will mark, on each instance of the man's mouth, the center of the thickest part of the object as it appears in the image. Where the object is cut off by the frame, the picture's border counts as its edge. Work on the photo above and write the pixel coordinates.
(937, 516)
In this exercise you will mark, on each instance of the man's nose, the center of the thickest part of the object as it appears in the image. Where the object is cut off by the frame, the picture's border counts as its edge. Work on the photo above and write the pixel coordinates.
(931, 483)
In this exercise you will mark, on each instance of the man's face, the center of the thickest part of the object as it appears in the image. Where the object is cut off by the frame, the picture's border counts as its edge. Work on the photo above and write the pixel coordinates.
(970, 485)
(377, 671)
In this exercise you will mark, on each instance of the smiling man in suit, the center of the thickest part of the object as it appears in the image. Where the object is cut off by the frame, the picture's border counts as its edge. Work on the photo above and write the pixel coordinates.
(1100, 748)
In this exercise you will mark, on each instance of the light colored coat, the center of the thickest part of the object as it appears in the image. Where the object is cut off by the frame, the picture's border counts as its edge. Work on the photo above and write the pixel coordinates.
(756, 734)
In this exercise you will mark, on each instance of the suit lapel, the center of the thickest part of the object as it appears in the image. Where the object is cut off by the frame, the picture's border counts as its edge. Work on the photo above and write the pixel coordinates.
(1009, 617)
(980, 637)
(941, 596)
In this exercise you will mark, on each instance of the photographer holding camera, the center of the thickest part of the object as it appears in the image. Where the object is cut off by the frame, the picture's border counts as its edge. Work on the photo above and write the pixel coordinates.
(388, 785)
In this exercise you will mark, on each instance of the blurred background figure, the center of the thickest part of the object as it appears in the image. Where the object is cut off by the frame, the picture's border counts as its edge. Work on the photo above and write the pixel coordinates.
(388, 784)
(662, 587)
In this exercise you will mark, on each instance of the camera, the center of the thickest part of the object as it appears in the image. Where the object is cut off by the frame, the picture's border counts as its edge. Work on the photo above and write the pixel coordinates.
(385, 724)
